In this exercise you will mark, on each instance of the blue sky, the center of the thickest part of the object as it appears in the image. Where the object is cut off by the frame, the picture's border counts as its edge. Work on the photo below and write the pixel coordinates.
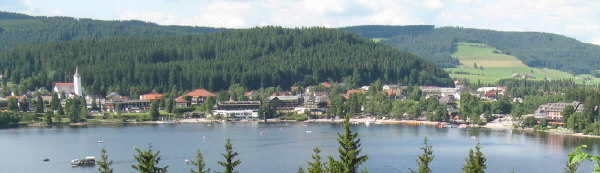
(579, 19)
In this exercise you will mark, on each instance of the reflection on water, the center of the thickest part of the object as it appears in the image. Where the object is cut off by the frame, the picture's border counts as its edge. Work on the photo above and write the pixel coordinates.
(282, 147)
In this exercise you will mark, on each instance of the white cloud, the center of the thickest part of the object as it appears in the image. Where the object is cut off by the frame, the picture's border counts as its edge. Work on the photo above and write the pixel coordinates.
(434, 4)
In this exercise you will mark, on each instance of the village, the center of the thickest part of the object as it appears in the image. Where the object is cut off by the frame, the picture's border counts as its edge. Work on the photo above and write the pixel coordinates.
(295, 103)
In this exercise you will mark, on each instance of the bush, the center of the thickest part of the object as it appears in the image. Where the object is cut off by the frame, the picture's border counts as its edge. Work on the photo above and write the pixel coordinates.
(529, 121)
(592, 129)
(293, 117)
(183, 110)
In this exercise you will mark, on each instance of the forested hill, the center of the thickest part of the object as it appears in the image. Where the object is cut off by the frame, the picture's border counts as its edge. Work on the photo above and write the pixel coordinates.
(533, 48)
(19, 29)
(255, 58)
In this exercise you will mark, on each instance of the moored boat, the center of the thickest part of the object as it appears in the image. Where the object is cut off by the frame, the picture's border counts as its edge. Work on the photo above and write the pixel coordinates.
(87, 161)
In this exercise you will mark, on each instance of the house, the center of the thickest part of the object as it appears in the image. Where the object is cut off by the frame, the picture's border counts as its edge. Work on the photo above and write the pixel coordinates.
(67, 88)
(237, 109)
(355, 91)
(181, 103)
(151, 96)
(237, 105)
(431, 90)
(447, 91)
(486, 89)
(390, 87)
(197, 96)
(394, 94)
(251, 94)
(553, 111)
(98, 99)
(326, 84)
(447, 100)
(3, 103)
(461, 90)
(125, 105)
(286, 103)
(316, 100)
(490, 93)
(518, 99)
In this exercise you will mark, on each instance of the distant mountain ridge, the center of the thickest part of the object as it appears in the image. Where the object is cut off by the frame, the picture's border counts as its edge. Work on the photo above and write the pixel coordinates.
(541, 50)
(255, 58)
(19, 29)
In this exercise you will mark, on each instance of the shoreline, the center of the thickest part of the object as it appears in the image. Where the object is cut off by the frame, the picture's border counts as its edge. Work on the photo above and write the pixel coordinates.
(366, 121)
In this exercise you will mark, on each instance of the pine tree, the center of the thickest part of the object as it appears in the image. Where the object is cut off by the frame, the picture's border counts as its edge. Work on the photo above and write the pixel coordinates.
(104, 163)
(229, 164)
(73, 110)
(199, 164)
(48, 117)
(147, 161)
(83, 112)
(425, 158)
(12, 104)
(475, 161)
(316, 166)
(60, 111)
(39, 104)
(154, 110)
(349, 150)
(55, 102)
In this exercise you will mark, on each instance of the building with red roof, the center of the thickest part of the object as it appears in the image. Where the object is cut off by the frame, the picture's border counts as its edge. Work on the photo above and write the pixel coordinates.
(151, 96)
(197, 96)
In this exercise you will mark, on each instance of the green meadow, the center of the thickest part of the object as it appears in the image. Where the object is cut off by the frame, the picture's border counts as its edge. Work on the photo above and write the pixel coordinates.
(497, 65)
(377, 40)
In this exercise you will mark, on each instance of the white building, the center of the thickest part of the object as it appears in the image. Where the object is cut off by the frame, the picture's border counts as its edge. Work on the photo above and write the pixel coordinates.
(78, 89)
(70, 89)
(245, 114)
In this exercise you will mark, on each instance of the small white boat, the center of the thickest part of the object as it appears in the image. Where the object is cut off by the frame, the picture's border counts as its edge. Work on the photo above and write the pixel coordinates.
(263, 133)
(87, 161)
(101, 142)
(473, 137)
(308, 131)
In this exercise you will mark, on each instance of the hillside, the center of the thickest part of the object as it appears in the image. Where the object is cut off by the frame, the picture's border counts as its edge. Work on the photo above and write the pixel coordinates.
(534, 49)
(485, 64)
(255, 58)
(18, 29)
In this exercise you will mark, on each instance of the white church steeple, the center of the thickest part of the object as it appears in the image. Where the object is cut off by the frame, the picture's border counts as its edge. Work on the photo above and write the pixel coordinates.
(77, 83)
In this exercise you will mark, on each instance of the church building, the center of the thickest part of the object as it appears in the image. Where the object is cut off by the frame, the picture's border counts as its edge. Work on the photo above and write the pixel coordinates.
(70, 89)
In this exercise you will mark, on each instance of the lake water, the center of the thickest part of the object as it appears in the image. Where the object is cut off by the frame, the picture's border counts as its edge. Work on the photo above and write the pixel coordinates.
(284, 147)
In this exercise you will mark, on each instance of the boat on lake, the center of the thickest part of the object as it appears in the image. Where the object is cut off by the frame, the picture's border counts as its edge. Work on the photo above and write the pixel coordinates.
(87, 161)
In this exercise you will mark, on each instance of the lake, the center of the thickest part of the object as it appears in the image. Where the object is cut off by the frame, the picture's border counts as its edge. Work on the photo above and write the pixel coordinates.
(284, 147)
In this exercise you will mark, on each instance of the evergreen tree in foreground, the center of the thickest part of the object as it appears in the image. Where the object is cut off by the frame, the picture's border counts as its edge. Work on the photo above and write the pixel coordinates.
(475, 161)
(147, 161)
(199, 165)
(229, 164)
(349, 151)
(316, 166)
(104, 163)
(425, 158)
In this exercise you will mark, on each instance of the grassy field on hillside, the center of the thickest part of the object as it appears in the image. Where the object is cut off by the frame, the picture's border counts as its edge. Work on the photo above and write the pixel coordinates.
(497, 66)
(377, 40)
(486, 56)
